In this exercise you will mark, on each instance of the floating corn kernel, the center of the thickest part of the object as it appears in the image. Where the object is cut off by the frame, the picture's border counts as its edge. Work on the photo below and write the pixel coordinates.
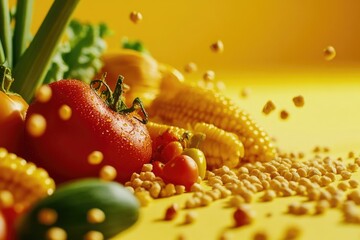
(108, 173)
(94, 235)
(36, 125)
(268, 107)
(43, 93)
(299, 101)
(136, 17)
(188, 105)
(217, 46)
(190, 67)
(95, 157)
(171, 212)
(329, 53)
(284, 114)
(65, 112)
(47, 216)
(6, 199)
(209, 75)
(95, 215)
(56, 233)
(245, 92)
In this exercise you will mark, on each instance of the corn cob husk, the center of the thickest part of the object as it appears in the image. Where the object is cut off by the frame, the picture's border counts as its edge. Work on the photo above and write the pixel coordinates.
(189, 105)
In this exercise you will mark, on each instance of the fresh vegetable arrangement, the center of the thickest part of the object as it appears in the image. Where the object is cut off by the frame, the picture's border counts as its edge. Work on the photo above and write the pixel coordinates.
(85, 123)
(115, 131)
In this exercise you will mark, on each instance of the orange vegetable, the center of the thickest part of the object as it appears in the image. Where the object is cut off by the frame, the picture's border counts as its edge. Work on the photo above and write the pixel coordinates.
(12, 114)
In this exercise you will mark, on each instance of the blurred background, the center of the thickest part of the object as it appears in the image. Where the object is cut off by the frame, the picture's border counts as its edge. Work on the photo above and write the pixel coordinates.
(258, 35)
(275, 48)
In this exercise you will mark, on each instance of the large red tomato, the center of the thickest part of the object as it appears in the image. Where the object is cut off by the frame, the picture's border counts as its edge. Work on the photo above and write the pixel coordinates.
(75, 131)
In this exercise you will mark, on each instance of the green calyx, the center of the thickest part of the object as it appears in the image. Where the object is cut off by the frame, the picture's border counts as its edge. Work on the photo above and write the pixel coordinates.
(5, 79)
(115, 100)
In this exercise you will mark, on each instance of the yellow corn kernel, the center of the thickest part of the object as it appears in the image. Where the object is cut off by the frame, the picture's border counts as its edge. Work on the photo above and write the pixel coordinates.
(190, 105)
(220, 147)
(156, 129)
(23, 180)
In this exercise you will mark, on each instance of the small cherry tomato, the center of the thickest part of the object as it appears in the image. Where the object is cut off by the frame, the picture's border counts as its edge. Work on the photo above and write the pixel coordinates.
(158, 168)
(181, 170)
(170, 151)
(199, 158)
(160, 142)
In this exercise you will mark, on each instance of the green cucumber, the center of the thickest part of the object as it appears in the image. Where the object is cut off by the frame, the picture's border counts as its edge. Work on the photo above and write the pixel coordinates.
(72, 202)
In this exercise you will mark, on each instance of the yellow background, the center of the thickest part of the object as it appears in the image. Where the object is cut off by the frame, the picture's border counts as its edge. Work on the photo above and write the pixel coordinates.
(257, 34)
(274, 48)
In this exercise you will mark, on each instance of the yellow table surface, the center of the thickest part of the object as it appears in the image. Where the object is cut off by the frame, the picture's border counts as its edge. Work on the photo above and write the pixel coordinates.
(330, 118)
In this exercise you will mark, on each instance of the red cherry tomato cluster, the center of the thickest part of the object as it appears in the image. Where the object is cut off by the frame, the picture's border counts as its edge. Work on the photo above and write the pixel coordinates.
(170, 164)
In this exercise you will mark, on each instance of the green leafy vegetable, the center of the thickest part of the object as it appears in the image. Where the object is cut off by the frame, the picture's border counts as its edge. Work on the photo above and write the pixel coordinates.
(134, 45)
(79, 56)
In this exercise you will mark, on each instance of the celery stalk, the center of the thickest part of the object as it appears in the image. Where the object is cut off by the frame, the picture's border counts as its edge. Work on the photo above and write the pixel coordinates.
(5, 31)
(22, 28)
(31, 68)
(2, 55)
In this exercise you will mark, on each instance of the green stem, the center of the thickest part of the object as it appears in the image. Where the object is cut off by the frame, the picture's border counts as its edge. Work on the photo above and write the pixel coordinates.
(22, 28)
(5, 30)
(5, 79)
(2, 54)
(196, 140)
(31, 69)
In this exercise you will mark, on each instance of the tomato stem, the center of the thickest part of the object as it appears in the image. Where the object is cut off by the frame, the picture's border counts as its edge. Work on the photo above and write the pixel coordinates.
(115, 100)
(5, 79)
(196, 140)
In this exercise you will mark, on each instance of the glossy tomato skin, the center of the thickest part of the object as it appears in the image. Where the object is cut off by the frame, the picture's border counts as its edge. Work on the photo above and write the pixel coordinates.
(181, 170)
(12, 116)
(64, 147)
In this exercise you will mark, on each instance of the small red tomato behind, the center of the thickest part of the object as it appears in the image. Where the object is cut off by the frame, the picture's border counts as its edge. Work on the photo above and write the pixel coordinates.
(73, 130)
(171, 150)
(181, 170)
(159, 143)
(158, 168)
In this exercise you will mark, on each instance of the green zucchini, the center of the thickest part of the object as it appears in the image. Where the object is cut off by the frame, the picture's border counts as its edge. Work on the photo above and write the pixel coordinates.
(72, 202)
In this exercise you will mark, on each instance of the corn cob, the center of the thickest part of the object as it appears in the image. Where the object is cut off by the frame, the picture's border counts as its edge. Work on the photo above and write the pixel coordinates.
(156, 129)
(219, 147)
(24, 180)
(190, 104)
